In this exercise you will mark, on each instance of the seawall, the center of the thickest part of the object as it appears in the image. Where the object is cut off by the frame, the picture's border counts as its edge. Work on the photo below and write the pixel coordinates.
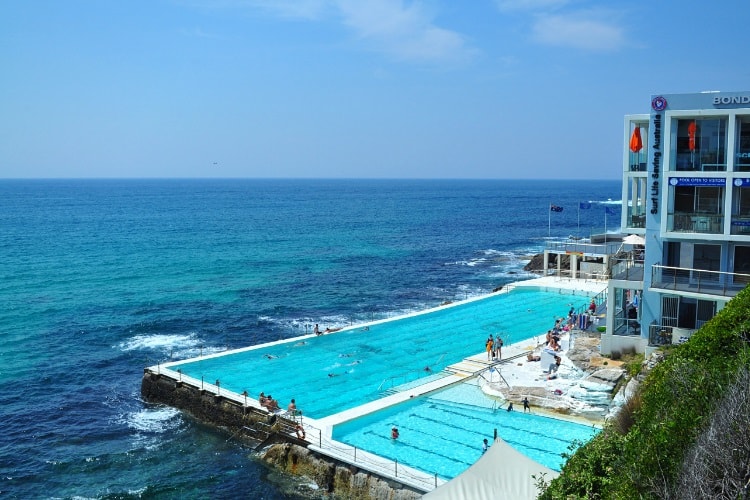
(274, 438)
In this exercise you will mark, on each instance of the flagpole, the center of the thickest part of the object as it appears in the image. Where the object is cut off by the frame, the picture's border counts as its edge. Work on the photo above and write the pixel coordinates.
(549, 221)
(578, 234)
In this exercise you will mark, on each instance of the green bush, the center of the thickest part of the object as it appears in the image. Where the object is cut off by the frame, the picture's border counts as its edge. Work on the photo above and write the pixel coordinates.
(639, 455)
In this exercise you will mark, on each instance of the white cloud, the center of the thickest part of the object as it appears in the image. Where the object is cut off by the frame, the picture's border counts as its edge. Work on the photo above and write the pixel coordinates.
(404, 31)
(582, 30)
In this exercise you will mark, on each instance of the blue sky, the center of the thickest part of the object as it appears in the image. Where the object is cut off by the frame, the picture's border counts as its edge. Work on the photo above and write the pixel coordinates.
(348, 88)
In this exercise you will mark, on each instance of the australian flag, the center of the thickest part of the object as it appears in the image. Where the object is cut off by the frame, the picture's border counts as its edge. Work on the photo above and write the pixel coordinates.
(556, 208)
(584, 205)
(610, 211)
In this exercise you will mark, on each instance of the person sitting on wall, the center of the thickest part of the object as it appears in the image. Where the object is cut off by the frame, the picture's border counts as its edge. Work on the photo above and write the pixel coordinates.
(292, 409)
(271, 404)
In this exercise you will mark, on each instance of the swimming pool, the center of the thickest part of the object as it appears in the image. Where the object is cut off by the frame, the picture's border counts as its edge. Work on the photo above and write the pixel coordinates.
(442, 433)
(332, 373)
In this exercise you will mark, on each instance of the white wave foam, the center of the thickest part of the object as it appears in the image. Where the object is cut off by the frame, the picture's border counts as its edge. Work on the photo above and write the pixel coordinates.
(153, 420)
(160, 342)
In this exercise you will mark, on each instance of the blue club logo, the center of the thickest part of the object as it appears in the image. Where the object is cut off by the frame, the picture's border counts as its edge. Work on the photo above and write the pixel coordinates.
(659, 103)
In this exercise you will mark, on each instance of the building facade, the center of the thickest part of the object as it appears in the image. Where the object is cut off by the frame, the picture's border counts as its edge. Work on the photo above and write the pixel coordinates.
(686, 192)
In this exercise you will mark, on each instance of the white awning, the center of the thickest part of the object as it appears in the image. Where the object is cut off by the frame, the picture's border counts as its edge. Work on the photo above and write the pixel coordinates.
(502, 472)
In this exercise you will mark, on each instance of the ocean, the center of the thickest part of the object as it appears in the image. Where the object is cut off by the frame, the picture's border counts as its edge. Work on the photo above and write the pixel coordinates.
(101, 278)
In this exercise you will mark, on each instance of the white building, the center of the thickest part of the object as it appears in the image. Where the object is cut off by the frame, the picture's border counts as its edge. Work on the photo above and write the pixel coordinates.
(687, 192)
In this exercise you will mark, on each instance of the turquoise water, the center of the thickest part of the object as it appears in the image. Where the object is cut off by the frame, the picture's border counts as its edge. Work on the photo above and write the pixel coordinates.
(442, 433)
(351, 367)
(101, 278)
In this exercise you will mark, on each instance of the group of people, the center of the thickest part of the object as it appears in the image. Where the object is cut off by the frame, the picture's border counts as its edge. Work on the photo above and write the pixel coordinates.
(318, 331)
(526, 406)
(494, 348)
(553, 340)
(272, 405)
(268, 402)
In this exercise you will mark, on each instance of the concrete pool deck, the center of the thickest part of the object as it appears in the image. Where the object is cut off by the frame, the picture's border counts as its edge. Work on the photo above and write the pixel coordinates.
(512, 369)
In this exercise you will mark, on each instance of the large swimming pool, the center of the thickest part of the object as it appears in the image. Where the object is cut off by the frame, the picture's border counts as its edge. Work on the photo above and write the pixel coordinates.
(442, 433)
(335, 372)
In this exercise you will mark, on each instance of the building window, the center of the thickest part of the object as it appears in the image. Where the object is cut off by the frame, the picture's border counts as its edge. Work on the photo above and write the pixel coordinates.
(742, 264)
(698, 209)
(638, 147)
(741, 209)
(700, 144)
(742, 147)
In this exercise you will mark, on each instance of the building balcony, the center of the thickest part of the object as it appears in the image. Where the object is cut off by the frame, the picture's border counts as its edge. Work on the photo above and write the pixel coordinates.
(680, 279)
(704, 223)
(630, 269)
(741, 225)
(660, 335)
(583, 247)
(637, 221)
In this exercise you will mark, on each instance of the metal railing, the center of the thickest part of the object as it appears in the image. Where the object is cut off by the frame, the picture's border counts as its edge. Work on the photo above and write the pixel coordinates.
(637, 221)
(627, 269)
(574, 246)
(692, 222)
(373, 463)
(659, 335)
(682, 279)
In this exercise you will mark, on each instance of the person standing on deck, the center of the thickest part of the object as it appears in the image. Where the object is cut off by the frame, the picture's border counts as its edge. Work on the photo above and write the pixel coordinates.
(490, 348)
(498, 347)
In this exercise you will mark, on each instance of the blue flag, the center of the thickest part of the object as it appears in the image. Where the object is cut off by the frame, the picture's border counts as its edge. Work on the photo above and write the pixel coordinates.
(611, 211)
(556, 208)
(584, 205)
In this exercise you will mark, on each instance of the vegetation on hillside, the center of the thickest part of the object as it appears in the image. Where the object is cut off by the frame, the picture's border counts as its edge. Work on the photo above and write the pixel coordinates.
(686, 433)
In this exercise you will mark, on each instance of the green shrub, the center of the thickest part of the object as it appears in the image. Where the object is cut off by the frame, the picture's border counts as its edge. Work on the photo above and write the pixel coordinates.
(640, 453)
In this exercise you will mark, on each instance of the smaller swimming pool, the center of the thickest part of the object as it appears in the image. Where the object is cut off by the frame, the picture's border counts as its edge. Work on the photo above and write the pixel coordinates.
(442, 433)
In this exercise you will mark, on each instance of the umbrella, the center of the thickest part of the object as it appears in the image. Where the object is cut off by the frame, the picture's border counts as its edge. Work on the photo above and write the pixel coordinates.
(634, 239)
(636, 143)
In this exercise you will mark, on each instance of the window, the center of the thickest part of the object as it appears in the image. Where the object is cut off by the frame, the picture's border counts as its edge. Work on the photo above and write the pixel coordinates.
(742, 146)
(741, 209)
(700, 144)
(698, 199)
(742, 264)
